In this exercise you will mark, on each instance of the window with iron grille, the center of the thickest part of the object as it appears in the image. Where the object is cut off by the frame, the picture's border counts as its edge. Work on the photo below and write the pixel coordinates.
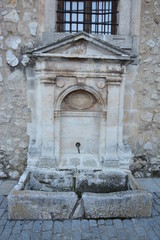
(89, 16)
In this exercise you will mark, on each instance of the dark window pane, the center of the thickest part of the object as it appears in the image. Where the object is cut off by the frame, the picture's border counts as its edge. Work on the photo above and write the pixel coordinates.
(89, 16)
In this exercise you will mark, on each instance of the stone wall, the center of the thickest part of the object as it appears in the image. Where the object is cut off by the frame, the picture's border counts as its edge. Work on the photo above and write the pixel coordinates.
(19, 30)
(146, 142)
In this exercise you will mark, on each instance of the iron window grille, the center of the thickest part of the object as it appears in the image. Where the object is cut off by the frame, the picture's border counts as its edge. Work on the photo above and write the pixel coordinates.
(89, 16)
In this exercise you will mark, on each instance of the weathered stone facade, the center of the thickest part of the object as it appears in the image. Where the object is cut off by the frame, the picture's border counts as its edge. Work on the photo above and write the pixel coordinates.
(18, 28)
(21, 29)
(145, 141)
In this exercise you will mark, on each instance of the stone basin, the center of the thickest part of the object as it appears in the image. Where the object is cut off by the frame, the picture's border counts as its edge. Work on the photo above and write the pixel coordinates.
(72, 194)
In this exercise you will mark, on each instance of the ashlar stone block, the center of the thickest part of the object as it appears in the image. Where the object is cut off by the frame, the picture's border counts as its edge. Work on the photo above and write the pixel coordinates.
(41, 205)
(121, 204)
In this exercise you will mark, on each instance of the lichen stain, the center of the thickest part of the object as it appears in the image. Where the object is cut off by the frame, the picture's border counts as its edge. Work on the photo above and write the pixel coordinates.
(20, 210)
(13, 2)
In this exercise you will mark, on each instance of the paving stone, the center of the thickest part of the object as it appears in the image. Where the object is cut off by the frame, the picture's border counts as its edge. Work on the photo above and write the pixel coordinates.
(84, 224)
(143, 222)
(3, 222)
(105, 236)
(101, 221)
(148, 184)
(151, 234)
(114, 238)
(158, 193)
(102, 228)
(133, 237)
(156, 230)
(28, 225)
(37, 226)
(157, 219)
(95, 238)
(92, 223)
(157, 181)
(158, 200)
(111, 231)
(4, 203)
(108, 222)
(7, 186)
(1, 229)
(154, 196)
(76, 225)
(157, 208)
(95, 231)
(127, 223)
(86, 235)
(35, 235)
(131, 230)
(67, 236)
(57, 237)
(118, 224)
(135, 222)
(15, 236)
(47, 225)
(67, 225)
(2, 211)
(10, 224)
(151, 222)
(5, 215)
(46, 235)
(122, 234)
(143, 238)
(6, 234)
(58, 227)
(1, 199)
(18, 227)
(76, 235)
(154, 212)
(25, 235)
(140, 231)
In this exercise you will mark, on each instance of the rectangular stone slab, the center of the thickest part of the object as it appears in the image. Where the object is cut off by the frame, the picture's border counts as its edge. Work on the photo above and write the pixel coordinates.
(102, 182)
(41, 205)
(126, 204)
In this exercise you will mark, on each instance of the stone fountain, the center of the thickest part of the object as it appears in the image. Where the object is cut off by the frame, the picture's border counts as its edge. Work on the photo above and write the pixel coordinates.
(78, 166)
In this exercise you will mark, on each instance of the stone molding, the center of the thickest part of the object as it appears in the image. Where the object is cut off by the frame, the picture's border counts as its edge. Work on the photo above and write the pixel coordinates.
(56, 78)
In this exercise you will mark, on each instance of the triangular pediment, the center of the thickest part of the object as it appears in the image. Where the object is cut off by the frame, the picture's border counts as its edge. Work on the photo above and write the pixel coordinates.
(82, 45)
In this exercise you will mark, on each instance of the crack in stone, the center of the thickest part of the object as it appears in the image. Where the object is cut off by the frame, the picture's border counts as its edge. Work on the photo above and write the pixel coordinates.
(80, 212)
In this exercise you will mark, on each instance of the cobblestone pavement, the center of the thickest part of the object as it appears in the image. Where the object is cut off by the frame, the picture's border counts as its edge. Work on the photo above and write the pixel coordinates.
(128, 229)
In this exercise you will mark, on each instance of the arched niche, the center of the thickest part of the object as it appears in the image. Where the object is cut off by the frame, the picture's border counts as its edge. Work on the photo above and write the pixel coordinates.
(80, 100)
(80, 123)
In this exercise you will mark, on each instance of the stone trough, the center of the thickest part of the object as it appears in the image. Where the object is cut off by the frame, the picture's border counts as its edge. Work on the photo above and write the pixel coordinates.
(76, 92)
(72, 194)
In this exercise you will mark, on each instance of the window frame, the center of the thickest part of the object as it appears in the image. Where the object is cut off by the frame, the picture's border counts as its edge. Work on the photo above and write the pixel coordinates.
(87, 19)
